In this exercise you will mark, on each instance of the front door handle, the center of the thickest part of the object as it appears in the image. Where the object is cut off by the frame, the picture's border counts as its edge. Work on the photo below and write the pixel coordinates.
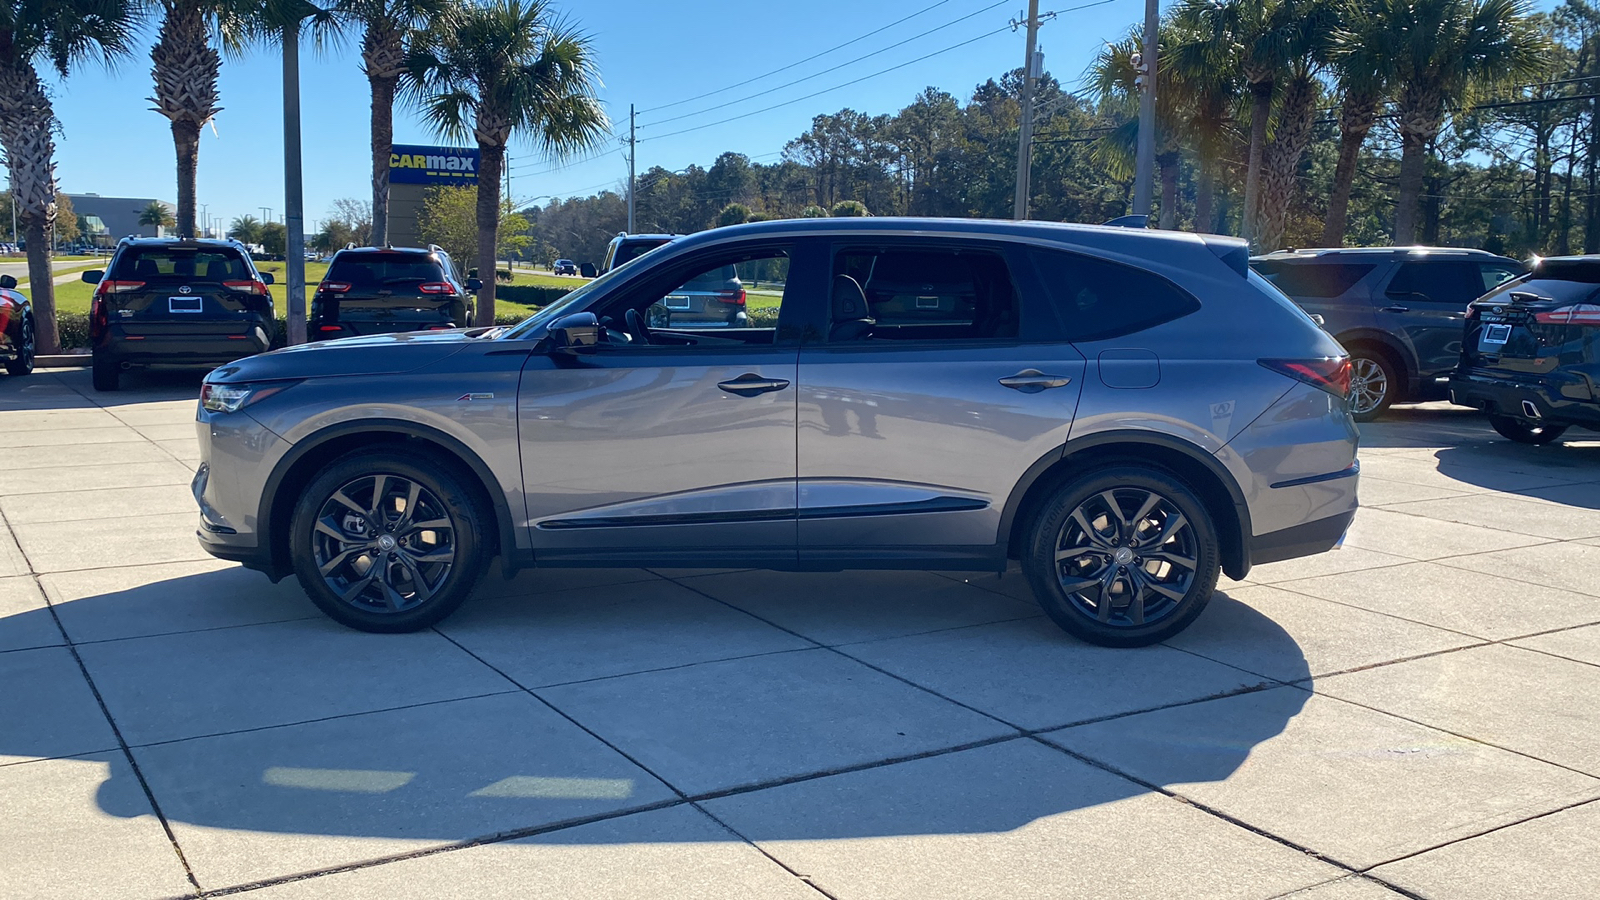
(750, 384)
(1396, 309)
(1032, 381)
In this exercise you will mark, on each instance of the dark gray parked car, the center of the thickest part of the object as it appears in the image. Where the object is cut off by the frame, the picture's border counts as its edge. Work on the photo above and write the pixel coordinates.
(1090, 408)
(1398, 310)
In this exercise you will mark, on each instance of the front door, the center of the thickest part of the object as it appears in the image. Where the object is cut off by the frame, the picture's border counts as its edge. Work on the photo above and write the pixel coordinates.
(925, 404)
(668, 445)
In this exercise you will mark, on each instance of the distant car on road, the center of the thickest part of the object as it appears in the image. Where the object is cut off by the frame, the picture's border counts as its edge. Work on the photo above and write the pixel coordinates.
(177, 302)
(1398, 310)
(1530, 357)
(1094, 412)
(382, 290)
(18, 341)
(565, 267)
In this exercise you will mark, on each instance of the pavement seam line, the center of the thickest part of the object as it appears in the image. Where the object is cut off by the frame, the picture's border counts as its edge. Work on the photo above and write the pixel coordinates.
(1472, 837)
(803, 879)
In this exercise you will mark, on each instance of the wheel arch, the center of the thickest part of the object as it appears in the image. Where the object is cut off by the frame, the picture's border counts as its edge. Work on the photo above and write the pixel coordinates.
(311, 454)
(1192, 465)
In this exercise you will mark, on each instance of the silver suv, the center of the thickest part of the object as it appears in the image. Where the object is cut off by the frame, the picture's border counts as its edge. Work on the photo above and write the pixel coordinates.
(1081, 399)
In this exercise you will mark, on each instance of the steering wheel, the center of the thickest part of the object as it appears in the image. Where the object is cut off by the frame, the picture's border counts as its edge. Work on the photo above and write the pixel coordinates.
(637, 329)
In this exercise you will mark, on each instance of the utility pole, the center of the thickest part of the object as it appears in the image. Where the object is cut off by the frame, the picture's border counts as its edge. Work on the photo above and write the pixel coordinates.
(633, 149)
(1025, 136)
(205, 219)
(294, 255)
(1145, 161)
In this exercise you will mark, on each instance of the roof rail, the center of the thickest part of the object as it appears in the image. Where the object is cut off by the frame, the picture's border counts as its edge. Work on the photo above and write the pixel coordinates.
(350, 246)
(435, 248)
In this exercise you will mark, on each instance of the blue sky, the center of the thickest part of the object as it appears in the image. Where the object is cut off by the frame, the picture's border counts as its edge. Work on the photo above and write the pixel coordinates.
(651, 53)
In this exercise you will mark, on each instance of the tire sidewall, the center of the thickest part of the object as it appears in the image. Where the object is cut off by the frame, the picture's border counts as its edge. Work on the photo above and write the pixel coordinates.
(27, 351)
(1040, 566)
(1522, 431)
(445, 484)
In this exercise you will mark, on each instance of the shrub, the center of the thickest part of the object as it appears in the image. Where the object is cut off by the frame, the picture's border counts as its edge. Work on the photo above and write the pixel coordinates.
(530, 294)
(502, 275)
(74, 330)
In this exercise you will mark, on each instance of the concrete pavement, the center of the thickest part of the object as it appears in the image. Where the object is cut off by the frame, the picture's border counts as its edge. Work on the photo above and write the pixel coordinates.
(1413, 715)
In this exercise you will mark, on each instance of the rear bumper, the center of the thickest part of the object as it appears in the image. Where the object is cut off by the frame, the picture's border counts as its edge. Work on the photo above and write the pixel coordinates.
(185, 349)
(1314, 537)
(1524, 399)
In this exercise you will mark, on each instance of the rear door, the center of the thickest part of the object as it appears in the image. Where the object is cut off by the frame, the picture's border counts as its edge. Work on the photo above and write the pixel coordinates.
(914, 427)
(384, 291)
(1425, 303)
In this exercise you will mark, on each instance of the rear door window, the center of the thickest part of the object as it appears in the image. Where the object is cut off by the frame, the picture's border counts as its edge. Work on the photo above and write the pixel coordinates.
(932, 292)
(1450, 283)
(155, 264)
(1097, 300)
(1322, 281)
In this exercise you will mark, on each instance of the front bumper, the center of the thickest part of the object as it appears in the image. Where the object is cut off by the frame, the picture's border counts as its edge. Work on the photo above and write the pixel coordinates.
(1534, 400)
(237, 456)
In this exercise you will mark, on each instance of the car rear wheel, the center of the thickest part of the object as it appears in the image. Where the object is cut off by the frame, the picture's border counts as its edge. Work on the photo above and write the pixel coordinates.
(387, 541)
(27, 347)
(107, 373)
(1123, 557)
(1525, 432)
(1373, 384)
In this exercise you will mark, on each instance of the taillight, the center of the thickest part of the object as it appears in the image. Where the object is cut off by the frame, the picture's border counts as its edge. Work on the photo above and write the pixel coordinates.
(1331, 374)
(327, 328)
(334, 287)
(117, 287)
(248, 287)
(732, 298)
(437, 287)
(1579, 314)
(99, 319)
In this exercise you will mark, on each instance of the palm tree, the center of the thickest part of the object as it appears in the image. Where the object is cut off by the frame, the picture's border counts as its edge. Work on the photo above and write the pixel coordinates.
(1297, 108)
(246, 230)
(157, 214)
(1113, 76)
(1256, 38)
(1444, 53)
(1361, 53)
(494, 68)
(386, 27)
(185, 69)
(1210, 93)
(61, 33)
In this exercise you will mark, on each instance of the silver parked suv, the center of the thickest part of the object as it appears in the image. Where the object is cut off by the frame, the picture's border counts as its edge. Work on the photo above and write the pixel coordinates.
(1126, 413)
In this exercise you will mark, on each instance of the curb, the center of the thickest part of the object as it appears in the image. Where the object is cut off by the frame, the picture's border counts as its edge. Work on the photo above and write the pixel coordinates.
(63, 361)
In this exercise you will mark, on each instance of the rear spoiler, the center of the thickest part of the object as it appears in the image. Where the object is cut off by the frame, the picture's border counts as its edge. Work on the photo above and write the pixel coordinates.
(1231, 250)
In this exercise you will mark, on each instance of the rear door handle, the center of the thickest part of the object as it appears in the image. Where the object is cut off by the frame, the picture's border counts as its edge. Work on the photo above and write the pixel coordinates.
(1032, 381)
(750, 384)
(1396, 309)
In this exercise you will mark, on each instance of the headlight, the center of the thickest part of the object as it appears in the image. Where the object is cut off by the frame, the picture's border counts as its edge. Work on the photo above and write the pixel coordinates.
(227, 398)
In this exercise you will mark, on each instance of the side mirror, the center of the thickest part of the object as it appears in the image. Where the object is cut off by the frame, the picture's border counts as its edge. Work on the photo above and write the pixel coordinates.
(574, 332)
(7, 282)
(93, 276)
(474, 284)
(266, 278)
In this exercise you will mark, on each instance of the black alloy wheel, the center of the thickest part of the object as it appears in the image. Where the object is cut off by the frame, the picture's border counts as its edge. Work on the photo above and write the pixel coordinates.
(387, 542)
(1524, 431)
(1123, 557)
(27, 349)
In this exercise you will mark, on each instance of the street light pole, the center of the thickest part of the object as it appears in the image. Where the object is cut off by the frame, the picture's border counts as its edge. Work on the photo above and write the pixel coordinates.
(1145, 161)
(633, 151)
(1025, 135)
(294, 255)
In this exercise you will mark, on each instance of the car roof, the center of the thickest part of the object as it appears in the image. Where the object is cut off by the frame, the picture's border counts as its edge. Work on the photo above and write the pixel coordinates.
(426, 251)
(1316, 253)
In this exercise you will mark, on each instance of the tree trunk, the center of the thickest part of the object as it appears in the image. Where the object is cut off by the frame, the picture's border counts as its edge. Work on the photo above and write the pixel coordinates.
(489, 170)
(1413, 164)
(26, 121)
(1168, 166)
(1356, 118)
(382, 146)
(1260, 110)
(1591, 179)
(1281, 161)
(1205, 216)
(186, 140)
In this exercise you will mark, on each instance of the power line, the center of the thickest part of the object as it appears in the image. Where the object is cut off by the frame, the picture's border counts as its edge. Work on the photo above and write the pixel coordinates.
(836, 87)
(794, 64)
(836, 68)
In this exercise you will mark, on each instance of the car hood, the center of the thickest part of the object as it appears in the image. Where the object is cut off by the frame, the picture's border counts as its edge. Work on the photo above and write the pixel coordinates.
(378, 354)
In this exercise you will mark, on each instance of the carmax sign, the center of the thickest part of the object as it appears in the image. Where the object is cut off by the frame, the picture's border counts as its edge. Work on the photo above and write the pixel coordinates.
(411, 164)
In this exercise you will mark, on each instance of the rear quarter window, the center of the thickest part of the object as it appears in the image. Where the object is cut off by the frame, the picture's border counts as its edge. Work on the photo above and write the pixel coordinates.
(1096, 300)
(1322, 281)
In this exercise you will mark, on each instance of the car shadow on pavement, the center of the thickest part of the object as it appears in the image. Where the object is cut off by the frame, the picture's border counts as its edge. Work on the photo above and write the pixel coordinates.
(249, 712)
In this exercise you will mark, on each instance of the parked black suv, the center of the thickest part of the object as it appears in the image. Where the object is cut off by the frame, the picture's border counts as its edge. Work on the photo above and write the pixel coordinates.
(1398, 310)
(625, 248)
(1531, 352)
(381, 290)
(177, 302)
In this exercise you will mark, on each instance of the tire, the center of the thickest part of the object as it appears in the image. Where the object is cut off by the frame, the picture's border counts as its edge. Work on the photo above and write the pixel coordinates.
(27, 350)
(425, 574)
(1525, 432)
(1374, 384)
(1077, 515)
(107, 373)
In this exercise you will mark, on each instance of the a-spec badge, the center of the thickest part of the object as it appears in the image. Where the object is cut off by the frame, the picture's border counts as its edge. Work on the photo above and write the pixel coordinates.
(468, 398)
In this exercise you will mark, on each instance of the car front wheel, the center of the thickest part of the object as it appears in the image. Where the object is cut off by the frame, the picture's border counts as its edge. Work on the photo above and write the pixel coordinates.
(1123, 557)
(1525, 432)
(387, 541)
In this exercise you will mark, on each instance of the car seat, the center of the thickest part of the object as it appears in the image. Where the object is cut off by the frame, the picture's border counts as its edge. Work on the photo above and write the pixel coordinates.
(851, 319)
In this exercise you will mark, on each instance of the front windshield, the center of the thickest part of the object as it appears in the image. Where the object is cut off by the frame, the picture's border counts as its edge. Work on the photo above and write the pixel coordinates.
(525, 329)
